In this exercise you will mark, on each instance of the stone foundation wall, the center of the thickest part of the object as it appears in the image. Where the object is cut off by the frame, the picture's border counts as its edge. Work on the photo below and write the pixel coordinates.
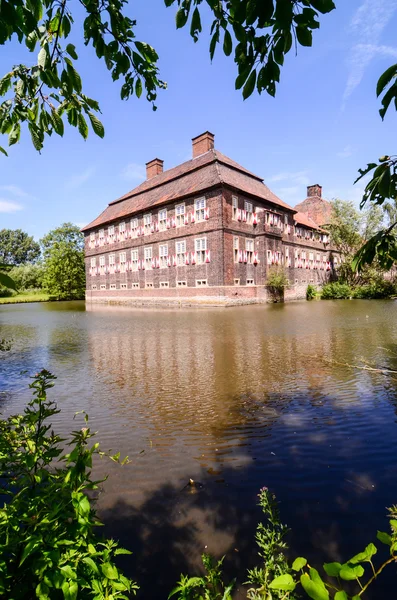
(209, 296)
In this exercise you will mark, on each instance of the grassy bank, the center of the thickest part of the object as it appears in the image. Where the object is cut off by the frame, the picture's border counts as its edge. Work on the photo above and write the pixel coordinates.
(19, 298)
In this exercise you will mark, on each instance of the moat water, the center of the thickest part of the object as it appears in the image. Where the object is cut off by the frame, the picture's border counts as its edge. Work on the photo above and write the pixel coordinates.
(236, 399)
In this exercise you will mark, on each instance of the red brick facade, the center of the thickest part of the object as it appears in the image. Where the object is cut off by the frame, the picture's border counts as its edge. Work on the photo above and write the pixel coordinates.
(214, 242)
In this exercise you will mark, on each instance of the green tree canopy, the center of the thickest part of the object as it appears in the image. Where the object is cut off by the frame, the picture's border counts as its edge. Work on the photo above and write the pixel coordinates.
(42, 92)
(64, 268)
(17, 247)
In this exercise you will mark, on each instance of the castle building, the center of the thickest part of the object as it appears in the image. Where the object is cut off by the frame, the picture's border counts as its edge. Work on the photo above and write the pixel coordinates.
(206, 231)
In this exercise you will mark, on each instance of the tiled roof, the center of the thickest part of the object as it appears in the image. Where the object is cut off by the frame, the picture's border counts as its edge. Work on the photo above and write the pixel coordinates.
(303, 219)
(316, 208)
(204, 172)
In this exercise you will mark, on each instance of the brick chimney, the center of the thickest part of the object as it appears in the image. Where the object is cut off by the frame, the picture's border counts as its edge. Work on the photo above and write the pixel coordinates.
(154, 167)
(314, 190)
(202, 143)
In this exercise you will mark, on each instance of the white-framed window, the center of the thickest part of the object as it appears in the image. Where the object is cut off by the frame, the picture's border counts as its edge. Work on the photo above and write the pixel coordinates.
(113, 286)
(201, 283)
(94, 287)
(122, 227)
(148, 257)
(123, 286)
(180, 248)
(236, 282)
(249, 248)
(147, 222)
(103, 286)
(234, 207)
(135, 284)
(269, 257)
(92, 236)
(111, 232)
(180, 215)
(250, 282)
(93, 261)
(134, 224)
(101, 235)
(200, 209)
(101, 261)
(149, 284)
(162, 219)
(249, 209)
(134, 259)
(235, 248)
(200, 246)
(181, 284)
(164, 284)
(112, 260)
(163, 255)
(123, 260)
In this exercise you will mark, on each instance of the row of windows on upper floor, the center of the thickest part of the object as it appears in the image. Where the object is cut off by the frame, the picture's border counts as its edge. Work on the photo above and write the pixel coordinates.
(200, 213)
(274, 220)
(200, 256)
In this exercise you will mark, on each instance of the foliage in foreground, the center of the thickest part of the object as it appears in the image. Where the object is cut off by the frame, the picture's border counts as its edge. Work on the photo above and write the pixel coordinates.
(48, 545)
(209, 587)
(277, 579)
(45, 92)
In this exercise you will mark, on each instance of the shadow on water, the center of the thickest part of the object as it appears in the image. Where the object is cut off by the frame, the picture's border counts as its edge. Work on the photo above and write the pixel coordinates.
(333, 507)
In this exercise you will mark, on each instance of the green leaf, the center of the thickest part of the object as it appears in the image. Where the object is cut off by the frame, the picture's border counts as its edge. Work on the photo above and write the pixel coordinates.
(122, 551)
(3, 151)
(7, 282)
(57, 122)
(304, 36)
(71, 50)
(365, 556)
(384, 538)
(299, 563)
(83, 129)
(42, 57)
(67, 571)
(109, 571)
(283, 582)
(88, 561)
(227, 43)
(332, 569)
(341, 596)
(75, 77)
(385, 79)
(250, 85)
(138, 87)
(96, 125)
(181, 18)
(195, 27)
(32, 544)
(14, 135)
(313, 589)
(349, 573)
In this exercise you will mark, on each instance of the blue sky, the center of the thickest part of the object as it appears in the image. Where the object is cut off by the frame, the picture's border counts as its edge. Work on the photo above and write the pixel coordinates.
(321, 127)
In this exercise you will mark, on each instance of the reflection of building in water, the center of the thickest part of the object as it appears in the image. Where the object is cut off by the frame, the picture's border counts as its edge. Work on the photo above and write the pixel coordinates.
(192, 369)
(206, 229)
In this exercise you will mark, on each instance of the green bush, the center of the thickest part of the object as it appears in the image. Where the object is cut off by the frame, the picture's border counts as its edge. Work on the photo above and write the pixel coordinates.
(311, 292)
(336, 291)
(375, 290)
(6, 293)
(276, 282)
(48, 548)
(27, 277)
(277, 578)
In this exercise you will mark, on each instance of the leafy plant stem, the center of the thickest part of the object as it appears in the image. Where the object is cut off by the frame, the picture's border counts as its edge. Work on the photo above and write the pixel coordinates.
(387, 562)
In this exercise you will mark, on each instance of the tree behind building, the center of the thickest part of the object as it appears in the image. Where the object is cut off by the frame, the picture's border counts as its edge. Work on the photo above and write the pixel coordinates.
(64, 271)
